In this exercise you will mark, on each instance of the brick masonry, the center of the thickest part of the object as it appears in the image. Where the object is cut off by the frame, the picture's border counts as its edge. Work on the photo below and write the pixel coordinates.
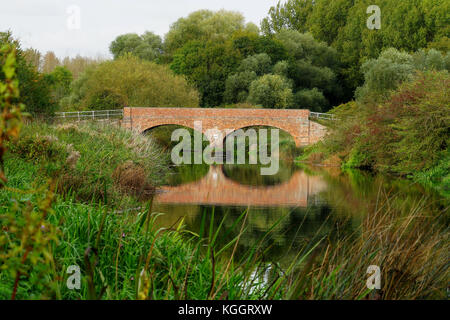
(295, 122)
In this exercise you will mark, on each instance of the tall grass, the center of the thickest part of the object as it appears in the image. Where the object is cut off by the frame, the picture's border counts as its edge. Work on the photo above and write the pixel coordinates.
(94, 161)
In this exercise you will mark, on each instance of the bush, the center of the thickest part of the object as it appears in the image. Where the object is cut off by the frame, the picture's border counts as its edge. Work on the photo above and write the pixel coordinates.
(404, 135)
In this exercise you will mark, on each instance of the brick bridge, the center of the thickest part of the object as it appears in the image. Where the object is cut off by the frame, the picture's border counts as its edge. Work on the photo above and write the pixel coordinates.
(295, 122)
(216, 189)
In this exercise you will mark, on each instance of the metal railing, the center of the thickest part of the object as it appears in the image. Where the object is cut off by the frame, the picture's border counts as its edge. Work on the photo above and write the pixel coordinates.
(322, 116)
(90, 115)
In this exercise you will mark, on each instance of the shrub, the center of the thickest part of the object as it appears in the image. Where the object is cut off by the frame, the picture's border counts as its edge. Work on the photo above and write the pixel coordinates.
(404, 135)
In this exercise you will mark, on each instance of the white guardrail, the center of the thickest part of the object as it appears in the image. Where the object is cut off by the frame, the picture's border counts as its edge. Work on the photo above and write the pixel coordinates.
(322, 116)
(118, 114)
(90, 115)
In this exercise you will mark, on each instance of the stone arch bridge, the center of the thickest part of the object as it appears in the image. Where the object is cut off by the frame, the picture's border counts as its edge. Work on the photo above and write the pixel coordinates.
(296, 122)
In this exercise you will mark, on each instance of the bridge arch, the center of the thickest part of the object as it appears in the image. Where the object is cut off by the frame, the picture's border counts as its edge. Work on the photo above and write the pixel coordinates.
(259, 126)
(179, 124)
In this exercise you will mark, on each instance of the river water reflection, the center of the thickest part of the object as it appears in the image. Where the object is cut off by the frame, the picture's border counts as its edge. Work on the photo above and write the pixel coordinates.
(305, 203)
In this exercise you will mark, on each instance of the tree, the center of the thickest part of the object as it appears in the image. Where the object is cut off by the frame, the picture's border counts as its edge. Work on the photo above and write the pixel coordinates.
(50, 62)
(130, 81)
(60, 80)
(207, 65)
(35, 90)
(258, 63)
(250, 43)
(271, 91)
(78, 65)
(33, 57)
(385, 73)
(148, 46)
(406, 25)
(311, 64)
(393, 67)
(205, 25)
(237, 86)
(293, 14)
(312, 99)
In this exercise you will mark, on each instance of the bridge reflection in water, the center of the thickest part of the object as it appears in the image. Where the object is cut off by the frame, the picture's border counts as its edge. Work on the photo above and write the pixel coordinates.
(216, 189)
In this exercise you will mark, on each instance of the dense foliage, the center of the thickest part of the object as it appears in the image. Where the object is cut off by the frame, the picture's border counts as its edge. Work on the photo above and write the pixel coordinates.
(224, 71)
(403, 130)
(127, 163)
(148, 46)
(34, 87)
(129, 81)
(406, 25)
(205, 25)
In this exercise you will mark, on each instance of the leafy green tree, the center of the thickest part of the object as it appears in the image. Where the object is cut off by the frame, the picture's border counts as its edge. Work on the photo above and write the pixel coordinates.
(258, 63)
(271, 91)
(205, 25)
(60, 80)
(394, 67)
(148, 46)
(130, 81)
(34, 87)
(385, 73)
(312, 99)
(281, 68)
(251, 43)
(237, 86)
(311, 64)
(406, 25)
(293, 14)
(207, 66)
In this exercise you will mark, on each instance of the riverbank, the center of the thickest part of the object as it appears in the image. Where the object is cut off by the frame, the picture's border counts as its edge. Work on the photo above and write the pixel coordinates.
(93, 162)
(405, 135)
(116, 251)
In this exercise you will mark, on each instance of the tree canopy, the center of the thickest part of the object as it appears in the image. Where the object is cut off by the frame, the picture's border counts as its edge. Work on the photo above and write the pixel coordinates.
(130, 81)
(35, 88)
(406, 25)
(204, 25)
(148, 46)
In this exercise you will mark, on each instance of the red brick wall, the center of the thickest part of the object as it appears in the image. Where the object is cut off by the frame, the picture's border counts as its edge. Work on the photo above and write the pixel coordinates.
(295, 122)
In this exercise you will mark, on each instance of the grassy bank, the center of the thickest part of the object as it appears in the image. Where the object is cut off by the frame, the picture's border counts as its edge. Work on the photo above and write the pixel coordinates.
(93, 161)
(406, 134)
(116, 251)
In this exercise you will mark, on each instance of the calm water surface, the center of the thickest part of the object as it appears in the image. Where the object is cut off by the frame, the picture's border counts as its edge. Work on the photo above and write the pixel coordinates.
(305, 204)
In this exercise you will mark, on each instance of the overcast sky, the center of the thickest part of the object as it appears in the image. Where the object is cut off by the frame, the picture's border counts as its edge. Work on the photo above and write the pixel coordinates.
(43, 24)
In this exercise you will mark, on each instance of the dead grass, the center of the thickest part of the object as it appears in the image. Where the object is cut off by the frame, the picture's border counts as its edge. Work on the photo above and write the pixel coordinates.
(132, 179)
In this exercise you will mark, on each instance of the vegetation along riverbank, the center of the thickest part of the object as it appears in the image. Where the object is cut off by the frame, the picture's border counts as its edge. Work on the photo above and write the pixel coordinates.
(79, 216)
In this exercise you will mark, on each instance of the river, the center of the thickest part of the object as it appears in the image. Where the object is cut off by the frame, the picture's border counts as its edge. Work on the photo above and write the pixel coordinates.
(298, 205)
